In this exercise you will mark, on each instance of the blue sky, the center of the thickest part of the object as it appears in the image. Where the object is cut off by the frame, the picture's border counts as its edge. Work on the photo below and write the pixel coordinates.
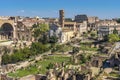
(49, 8)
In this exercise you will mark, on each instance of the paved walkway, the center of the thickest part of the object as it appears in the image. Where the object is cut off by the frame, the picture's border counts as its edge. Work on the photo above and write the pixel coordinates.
(115, 47)
(7, 43)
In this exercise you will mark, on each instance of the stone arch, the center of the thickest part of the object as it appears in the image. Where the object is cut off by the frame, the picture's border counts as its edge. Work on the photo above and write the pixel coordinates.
(6, 31)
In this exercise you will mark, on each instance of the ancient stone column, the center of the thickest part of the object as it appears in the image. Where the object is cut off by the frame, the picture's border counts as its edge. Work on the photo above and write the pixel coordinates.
(3, 37)
(6, 37)
(15, 31)
(0, 37)
(87, 77)
(119, 69)
(74, 77)
(66, 76)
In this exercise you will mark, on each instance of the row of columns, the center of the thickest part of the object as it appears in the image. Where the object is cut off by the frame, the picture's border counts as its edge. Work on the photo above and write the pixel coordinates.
(6, 36)
(2, 37)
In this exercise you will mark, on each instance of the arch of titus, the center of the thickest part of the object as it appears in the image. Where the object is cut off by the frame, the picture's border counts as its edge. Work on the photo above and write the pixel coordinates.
(7, 30)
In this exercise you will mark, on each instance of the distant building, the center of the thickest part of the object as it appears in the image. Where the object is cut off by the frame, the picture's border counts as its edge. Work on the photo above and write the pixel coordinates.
(61, 18)
(51, 20)
(70, 26)
(106, 27)
(106, 23)
(67, 35)
(82, 27)
(91, 23)
(106, 30)
(70, 30)
(4, 17)
(81, 18)
(63, 34)
(16, 28)
(55, 30)
(67, 28)
(78, 28)
(93, 20)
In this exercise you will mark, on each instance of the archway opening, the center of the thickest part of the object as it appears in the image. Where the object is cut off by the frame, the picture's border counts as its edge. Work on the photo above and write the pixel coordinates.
(6, 31)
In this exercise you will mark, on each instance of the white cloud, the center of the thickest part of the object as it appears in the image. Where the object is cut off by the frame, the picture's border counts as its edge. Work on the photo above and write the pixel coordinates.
(21, 11)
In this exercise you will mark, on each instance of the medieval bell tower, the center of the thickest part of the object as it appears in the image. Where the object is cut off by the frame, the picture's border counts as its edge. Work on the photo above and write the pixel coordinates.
(61, 18)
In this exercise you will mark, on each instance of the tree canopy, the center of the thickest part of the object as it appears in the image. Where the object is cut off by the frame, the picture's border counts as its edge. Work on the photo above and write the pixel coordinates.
(115, 31)
(39, 30)
(93, 34)
(113, 37)
(53, 39)
(26, 53)
(118, 20)
(75, 50)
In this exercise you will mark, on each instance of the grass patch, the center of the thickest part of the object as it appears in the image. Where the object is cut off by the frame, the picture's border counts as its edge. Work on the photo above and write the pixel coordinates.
(84, 47)
(87, 46)
(33, 69)
(113, 74)
(4, 41)
(24, 72)
(62, 48)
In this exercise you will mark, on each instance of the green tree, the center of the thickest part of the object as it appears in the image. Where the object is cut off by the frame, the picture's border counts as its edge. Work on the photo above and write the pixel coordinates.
(39, 30)
(26, 53)
(68, 20)
(83, 59)
(38, 48)
(5, 59)
(53, 39)
(106, 38)
(44, 39)
(93, 34)
(115, 31)
(118, 20)
(75, 50)
(113, 37)
(50, 66)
